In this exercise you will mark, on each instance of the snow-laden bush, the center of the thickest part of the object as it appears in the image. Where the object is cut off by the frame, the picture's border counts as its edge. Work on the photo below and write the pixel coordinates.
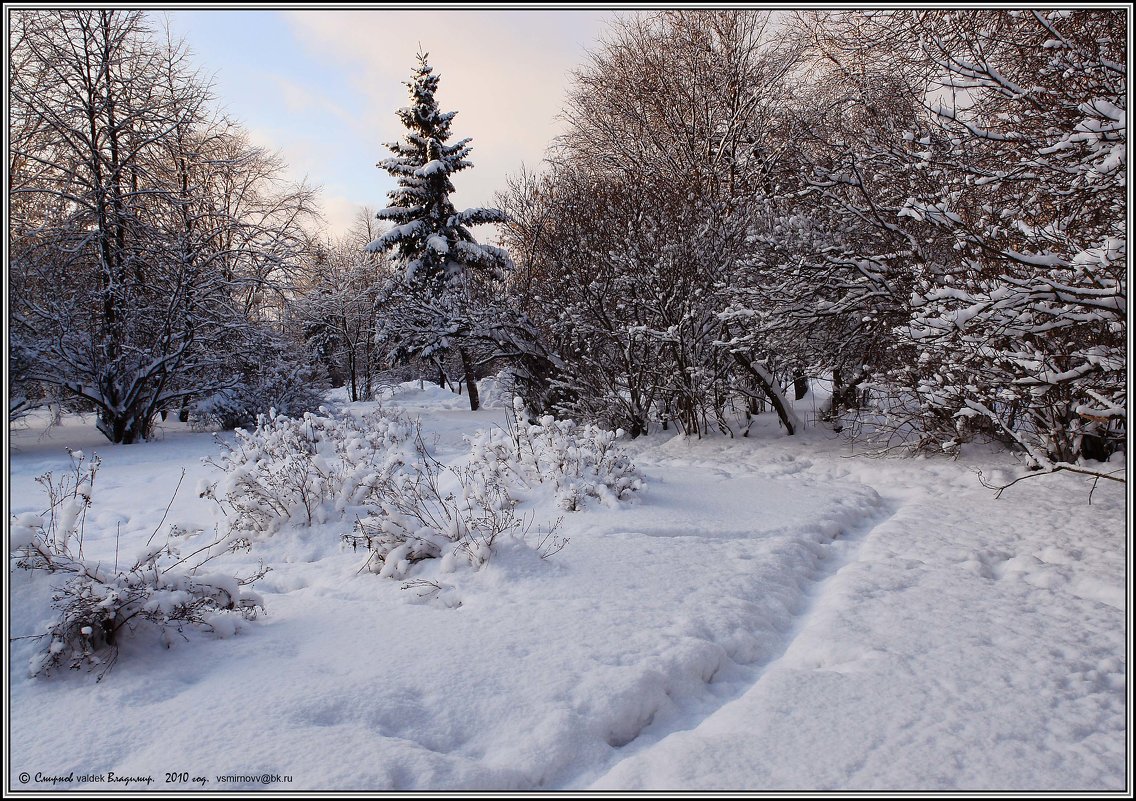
(98, 602)
(63, 526)
(307, 470)
(406, 505)
(288, 388)
(579, 461)
(414, 518)
(160, 588)
(265, 371)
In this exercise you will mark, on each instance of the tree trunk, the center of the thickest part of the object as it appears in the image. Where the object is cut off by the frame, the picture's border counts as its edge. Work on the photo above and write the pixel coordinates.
(769, 385)
(800, 385)
(467, 366)
(353, 384)
(470, 380)
(126, 428)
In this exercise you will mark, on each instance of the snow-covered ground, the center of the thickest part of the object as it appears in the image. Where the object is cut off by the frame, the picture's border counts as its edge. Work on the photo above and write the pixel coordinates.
(765, 613)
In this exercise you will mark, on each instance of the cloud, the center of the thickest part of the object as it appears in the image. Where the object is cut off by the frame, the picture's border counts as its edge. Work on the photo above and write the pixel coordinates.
(299, 100)
(505, 73)
(339, 212)
(304, 158)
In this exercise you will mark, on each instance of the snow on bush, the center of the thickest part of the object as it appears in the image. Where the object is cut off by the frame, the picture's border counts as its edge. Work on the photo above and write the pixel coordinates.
(63, 525)
(272, 379)
(414, 518)
(407, 506)
(307, 470)
(579, 461)
(98, 602)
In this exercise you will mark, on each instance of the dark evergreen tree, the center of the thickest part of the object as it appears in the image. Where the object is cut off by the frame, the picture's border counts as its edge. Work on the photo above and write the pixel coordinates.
(430, 237)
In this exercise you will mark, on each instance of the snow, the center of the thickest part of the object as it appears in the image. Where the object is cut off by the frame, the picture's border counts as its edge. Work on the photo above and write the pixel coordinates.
(431, 168)
(764, 613)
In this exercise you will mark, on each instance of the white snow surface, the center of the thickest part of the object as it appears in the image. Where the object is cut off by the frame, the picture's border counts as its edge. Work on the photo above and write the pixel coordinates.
(767, 613)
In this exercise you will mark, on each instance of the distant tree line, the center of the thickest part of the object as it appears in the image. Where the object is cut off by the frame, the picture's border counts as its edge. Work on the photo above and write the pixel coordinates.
(923, 209)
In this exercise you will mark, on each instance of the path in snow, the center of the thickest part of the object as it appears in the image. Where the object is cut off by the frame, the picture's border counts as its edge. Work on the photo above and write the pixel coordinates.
(766, 614)
(833, 556)
(656, 613)
(968, 643)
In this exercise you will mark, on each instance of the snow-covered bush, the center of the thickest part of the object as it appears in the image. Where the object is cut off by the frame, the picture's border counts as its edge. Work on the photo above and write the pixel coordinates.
(414, 518)
(307, 470)
(99, 602)
(406, 505)
(580, 461)
(159, 588)
(291, 389)
(63, 525)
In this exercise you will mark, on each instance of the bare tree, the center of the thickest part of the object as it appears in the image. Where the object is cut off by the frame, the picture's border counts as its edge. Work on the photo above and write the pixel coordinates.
(670, 153)
(339, 310)
(143, 226)
(992, 221)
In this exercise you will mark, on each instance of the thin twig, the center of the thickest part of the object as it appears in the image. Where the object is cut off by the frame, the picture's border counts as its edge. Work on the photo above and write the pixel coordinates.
(171, 503)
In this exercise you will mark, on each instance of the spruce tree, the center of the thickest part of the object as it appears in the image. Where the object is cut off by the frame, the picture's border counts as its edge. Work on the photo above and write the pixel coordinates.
(430, 237)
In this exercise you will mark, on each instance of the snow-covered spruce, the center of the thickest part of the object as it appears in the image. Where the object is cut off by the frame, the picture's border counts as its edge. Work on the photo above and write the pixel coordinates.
(430, 314)
(579, 461)
(430, 235)
(98, 603)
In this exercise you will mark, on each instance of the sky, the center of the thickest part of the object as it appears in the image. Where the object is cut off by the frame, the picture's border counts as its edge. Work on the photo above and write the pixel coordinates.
(322, 88)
